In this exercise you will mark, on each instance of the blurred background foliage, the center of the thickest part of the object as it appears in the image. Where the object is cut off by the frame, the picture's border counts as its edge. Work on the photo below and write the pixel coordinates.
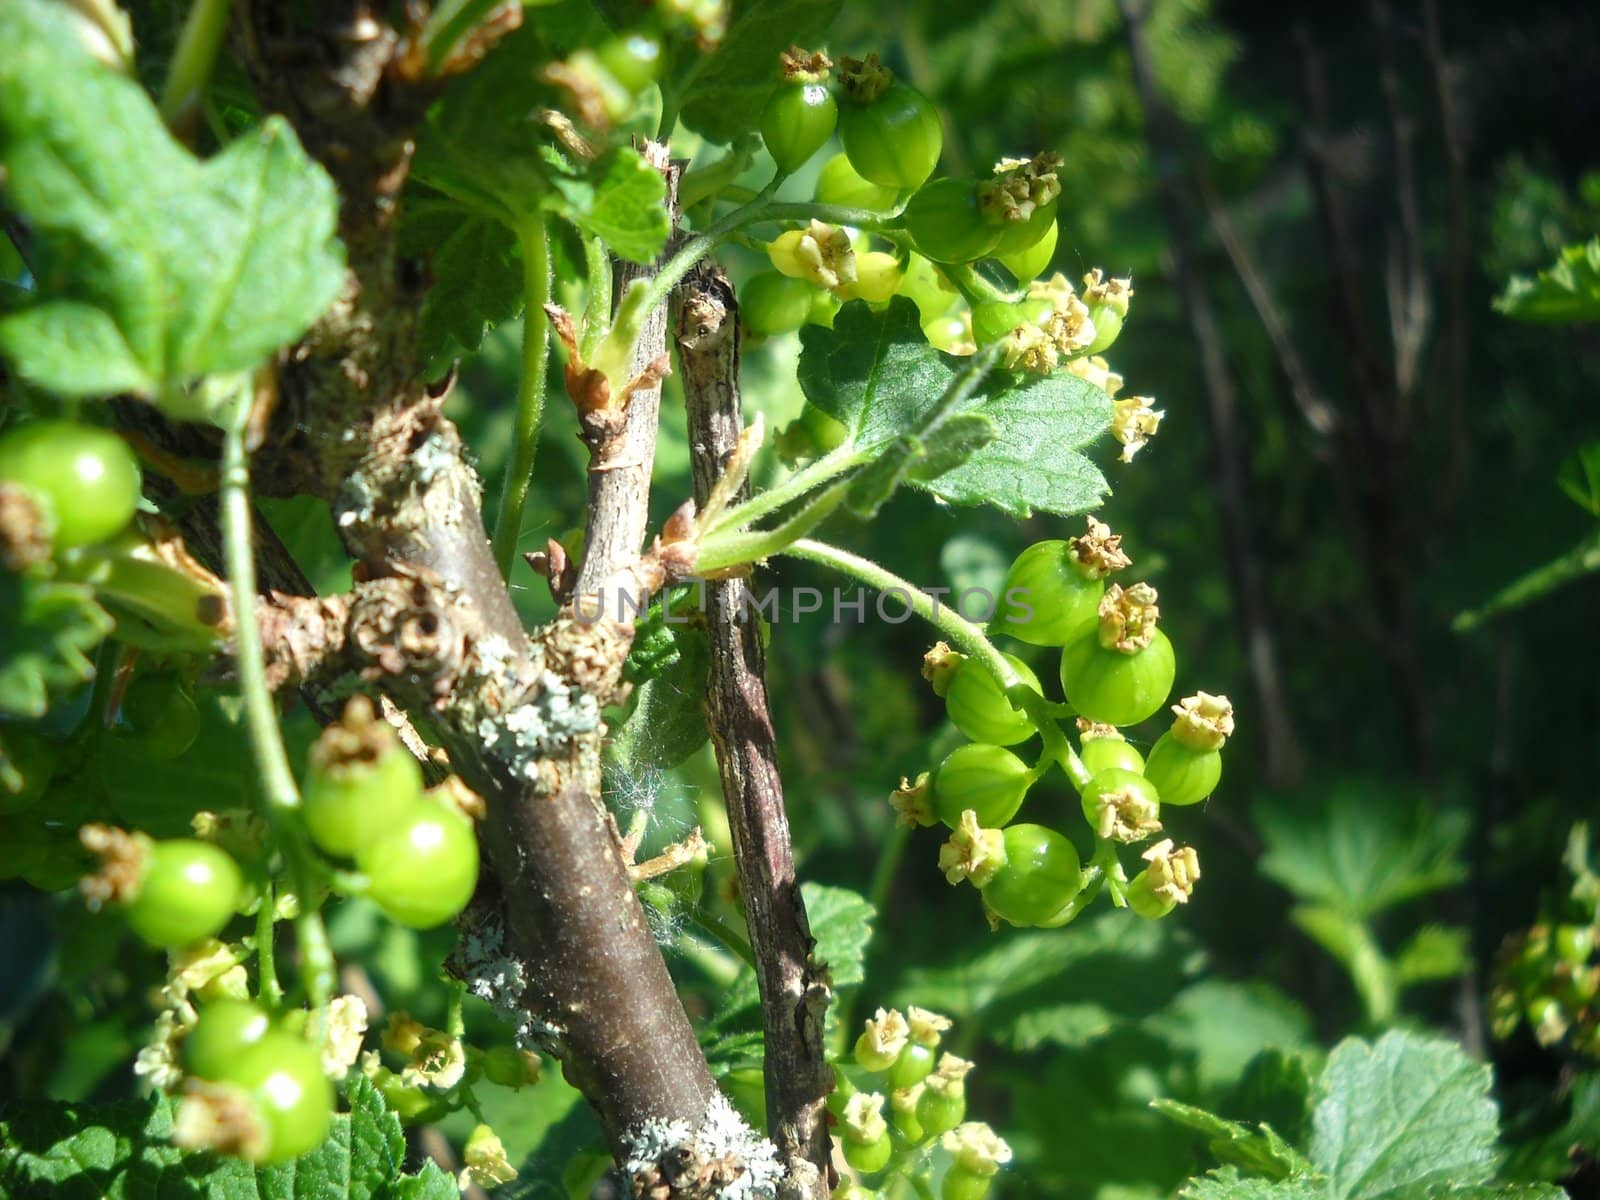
(1371, 451)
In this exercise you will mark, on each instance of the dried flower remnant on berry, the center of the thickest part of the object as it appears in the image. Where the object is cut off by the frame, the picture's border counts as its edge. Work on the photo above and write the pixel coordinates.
(804, 66)
(1030, 348)
(122, 856)
(218, 1117)
(939, 666)
(1019, 188)
(342, 1032)
(887, 1033)
(977, 1148)
(1099, 552)
(1134, 422)
(1113, 293)
(1204, 722)
(1128, 617)
(949, 1077)
(862, 1118)
(863, 80)
(1173, 871)
(927, 1027)
(913, 802)
(1124, 815)
(972, 852)
(485, 1161)
(1095, 370)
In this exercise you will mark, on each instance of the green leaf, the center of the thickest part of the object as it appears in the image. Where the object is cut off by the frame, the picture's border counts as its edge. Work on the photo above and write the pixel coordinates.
(841, 923)
(1260, 1150)
(1274, 1088)
(1433, 952)
(1034, 987)
(1583, 559)
(125, 1152)
(623, 202)
(721, 92)
(1228, 1184)
(155, 268)
(1360, 847)
(1568, 292)
(46, 628)
(875, 373)
(1405, 1111)
(1224, 1025)
(477, 279)
(1579, 477)
(666, 723)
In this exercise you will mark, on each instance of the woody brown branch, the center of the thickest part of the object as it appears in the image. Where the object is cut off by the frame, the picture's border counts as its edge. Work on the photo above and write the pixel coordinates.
(793, 984)
(431, 621)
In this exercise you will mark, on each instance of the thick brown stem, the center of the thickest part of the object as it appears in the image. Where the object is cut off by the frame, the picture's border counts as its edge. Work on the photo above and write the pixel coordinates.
(1283, 753)
(562, 948)
(793, 984)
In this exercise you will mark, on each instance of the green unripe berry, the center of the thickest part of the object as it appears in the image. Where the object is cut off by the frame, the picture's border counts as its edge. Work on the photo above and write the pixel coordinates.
(226, 1028)
(868, 1157)
(914, 1064)
(980, 709)
(962, 1184)
(1113, 687)
(1054, 588)
(939, 1111)
(797, 121)
(838, 183)
(987, 779)
(1107, 325)
(1108, 753)
(1040, 876)
(1182, 774)
(1027, 265)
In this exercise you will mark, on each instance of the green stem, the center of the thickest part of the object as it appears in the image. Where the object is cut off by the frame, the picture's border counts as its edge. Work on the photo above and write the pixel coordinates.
(836, 462)
(261, 718)
(270, 990)
(731, 549)
(533, 241)
(597, 309)
(973, 286)
(963, 635)
(194, 56)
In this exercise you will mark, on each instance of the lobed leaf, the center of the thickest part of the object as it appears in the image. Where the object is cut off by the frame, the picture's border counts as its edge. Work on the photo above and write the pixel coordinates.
(155, 268)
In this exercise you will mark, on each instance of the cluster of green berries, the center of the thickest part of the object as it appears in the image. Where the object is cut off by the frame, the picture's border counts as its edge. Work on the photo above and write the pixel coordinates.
(901, 1100)
(1117, 669)
(1549, 978)
(254, 1085)
(364, 800)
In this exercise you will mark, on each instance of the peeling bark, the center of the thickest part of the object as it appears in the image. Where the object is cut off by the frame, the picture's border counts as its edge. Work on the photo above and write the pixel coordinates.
(793, 983)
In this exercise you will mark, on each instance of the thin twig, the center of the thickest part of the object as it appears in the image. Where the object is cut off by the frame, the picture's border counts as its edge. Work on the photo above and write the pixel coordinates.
(793, 984)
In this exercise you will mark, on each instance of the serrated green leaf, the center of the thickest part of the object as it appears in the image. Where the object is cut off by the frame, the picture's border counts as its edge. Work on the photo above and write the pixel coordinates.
(1260, 1150)
(46, 628)
(721, 92)
(1362, 846)
(623, 202)
(1227, 1184)
(875, 373)
(1568, 292)
(1403, 1112)
(430, 1183)
(1274, 1089)
(666, 723)
(955, 440)
(1224, 1025)
(1433, 952)
(194, 267)
(477, 279)
(841, 923)
(124, 1152)
(1034, 987)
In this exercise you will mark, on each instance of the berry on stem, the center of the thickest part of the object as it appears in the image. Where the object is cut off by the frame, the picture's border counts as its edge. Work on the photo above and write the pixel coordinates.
(1119, 669)
(361, 780)
(423, 870)
(1040, 876)
(801, 114)
(890, 131)
(946, 222)
(988, 780)
(1055, 587)
(1186, 762)
(1121, 805)
(1102, 747)
(981, 710)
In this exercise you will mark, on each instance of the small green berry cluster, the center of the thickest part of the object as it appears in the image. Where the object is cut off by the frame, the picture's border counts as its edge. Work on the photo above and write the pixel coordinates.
(898, 1068)
(364, 800)
(1117, 669)
(1549, 978)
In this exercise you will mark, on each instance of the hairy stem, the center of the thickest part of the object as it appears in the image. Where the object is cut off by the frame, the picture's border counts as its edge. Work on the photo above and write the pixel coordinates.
(534, 242)
(261, 717)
